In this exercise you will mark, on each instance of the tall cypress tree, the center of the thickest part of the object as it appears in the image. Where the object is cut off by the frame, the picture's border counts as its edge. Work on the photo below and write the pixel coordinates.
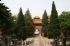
(5, 19)
(29, 23)
(44, 23)
(53, 31)
(21, 29)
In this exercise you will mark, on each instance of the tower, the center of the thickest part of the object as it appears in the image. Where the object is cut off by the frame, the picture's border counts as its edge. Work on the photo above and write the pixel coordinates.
(38, 23)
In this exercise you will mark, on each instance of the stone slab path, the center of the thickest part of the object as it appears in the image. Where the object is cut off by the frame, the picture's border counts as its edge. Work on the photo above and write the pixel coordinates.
(37, 41)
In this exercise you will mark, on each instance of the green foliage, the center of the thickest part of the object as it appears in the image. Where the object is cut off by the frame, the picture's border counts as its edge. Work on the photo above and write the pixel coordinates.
(29, 23)
(13, 36)
(53, 28)
(14, 26)
(45, 23)
(65, 21)
(20, 31)
(5, 20)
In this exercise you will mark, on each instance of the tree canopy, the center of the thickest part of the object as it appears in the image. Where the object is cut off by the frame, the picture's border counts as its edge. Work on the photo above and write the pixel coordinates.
(64, 19)
(20, 31)
(6, 23)
(44, 23)
(53, 29)
(29, 23)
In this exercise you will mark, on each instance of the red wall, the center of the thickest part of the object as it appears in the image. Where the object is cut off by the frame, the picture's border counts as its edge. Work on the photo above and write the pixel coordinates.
(39, 28)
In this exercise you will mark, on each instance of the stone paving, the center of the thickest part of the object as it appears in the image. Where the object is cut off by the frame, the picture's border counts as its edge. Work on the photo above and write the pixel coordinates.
(47, 41)
(41, 41)
(37, 41)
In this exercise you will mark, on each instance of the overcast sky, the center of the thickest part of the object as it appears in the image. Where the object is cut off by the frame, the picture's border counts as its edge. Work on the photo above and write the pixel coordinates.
(37, 7)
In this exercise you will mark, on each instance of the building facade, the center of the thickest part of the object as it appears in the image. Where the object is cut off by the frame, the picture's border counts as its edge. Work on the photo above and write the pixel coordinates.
(38, 23)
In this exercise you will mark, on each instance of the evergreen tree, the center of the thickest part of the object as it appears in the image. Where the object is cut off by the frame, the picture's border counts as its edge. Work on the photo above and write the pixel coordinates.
(21, 29)
(5, 19)
(45, 23)
(29, 23)
(53, 31)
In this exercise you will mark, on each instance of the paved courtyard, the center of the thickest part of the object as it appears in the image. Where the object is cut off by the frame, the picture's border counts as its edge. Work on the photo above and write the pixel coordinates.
(39, 41)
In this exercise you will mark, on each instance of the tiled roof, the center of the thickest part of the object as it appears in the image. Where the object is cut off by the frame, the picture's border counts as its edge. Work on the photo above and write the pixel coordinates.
(37, 21)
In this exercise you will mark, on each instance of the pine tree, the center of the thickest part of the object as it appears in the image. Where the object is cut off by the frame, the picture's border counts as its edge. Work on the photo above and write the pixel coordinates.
(45, 23)
(53, 31)
(21, 29)
(5, 19)
(29, 23)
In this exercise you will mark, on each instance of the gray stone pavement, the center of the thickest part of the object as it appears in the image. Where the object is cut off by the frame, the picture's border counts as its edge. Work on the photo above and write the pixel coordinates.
(37, 41)
(47, 41)
(40, 41)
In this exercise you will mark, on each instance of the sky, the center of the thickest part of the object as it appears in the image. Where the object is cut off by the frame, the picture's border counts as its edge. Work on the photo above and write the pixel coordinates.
(37, 7)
